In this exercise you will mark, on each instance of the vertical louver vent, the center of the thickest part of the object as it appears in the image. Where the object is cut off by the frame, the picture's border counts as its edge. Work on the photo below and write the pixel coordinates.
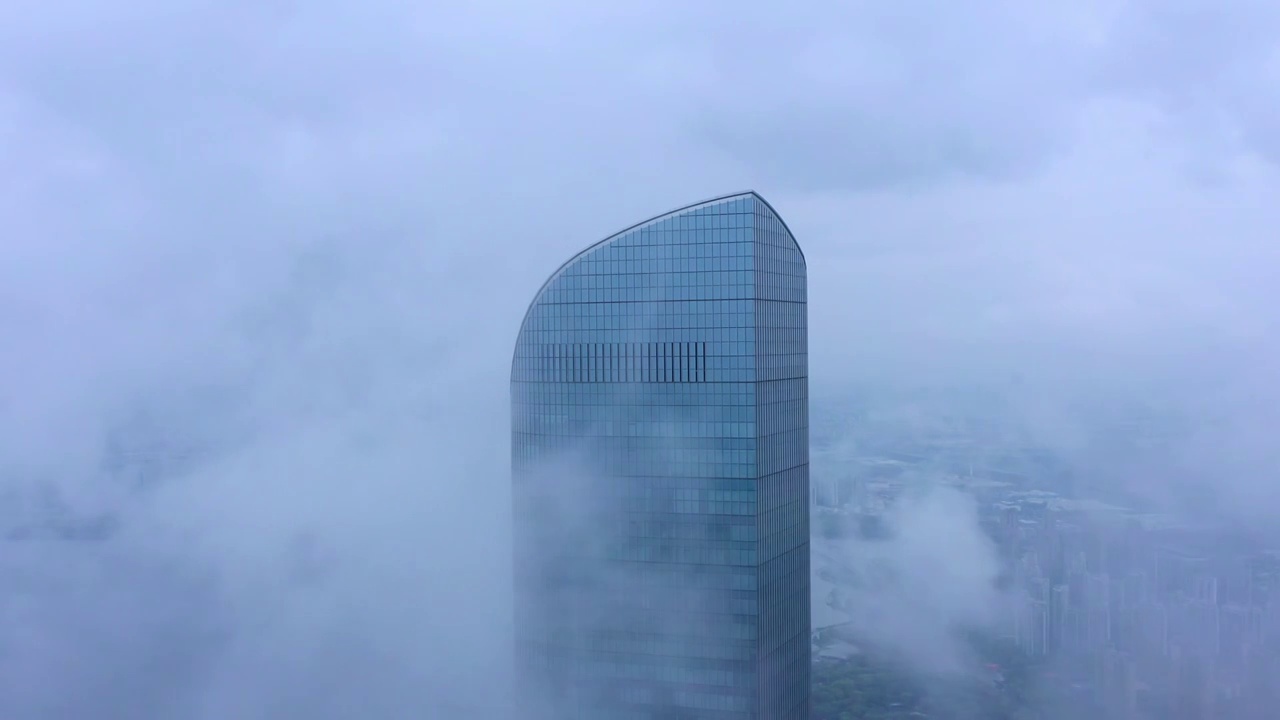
(660, 362)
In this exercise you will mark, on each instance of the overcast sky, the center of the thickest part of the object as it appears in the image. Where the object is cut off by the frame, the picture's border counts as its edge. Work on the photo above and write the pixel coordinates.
(1096, 174)
(304, 235)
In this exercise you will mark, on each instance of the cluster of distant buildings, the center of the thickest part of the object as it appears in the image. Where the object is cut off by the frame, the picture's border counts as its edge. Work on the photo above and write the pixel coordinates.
(1138, 616)
(1159, 622)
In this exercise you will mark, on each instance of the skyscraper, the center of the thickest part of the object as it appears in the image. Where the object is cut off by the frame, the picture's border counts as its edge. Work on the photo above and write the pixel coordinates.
(660, 452)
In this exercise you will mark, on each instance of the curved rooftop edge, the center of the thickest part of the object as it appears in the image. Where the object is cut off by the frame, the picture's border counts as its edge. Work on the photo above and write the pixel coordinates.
(656, 218)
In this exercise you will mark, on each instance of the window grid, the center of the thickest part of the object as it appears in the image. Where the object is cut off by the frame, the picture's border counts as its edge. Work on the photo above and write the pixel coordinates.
(674, 358)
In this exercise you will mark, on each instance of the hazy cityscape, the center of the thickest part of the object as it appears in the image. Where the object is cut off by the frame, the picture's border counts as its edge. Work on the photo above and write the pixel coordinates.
(1102, 610)
(268, 399)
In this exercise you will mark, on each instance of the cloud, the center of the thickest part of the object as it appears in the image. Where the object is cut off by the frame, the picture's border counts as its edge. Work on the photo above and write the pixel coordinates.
(294, 242)
(1210, 67)
(872, 96)
(918, 591)
(337, 537)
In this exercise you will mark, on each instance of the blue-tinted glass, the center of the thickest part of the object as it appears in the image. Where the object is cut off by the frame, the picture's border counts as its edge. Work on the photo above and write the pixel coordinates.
(664, 571)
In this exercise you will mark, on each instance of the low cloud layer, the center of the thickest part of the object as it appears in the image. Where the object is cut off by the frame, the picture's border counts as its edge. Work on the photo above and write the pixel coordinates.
(264, 264)
(923, 583)
(316, 528)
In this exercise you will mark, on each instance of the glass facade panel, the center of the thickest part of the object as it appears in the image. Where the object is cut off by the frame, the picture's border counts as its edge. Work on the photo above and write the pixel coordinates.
(661, 470)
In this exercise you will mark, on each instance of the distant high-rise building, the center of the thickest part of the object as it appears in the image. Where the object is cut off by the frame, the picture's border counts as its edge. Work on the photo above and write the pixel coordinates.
(1118, 684)
(661, 474)
(1060, 617)
(1193, 698)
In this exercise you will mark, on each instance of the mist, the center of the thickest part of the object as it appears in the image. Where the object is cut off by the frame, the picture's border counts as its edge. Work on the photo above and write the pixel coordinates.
(924, 582)
(263, 267)
(279, 537)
